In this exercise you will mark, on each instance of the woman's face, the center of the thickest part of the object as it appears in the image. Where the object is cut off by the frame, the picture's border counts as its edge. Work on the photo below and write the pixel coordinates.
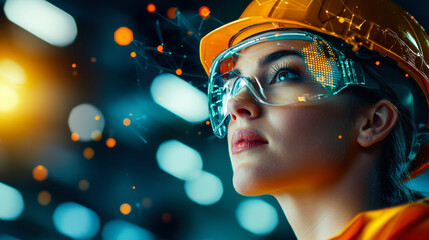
(285, 148)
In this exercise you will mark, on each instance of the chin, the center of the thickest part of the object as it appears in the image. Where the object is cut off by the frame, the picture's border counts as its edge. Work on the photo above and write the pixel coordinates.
(247, 185)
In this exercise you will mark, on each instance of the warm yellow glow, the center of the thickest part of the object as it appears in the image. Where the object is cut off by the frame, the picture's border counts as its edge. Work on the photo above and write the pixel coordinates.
(340, 137)
(127, 122)
(204, 11)
(134, 187)
(88, 153)
(12, 72)
(44, 198)
(74, 65)
(301, 99)
(123, 36)
(83, 185)
(377, 63)
(133, 54)
(75, 137)
(111, 142)
(8, 99)
(93, 59)
(97, 118)
(125, 208)
(40, 173)
(96, 135)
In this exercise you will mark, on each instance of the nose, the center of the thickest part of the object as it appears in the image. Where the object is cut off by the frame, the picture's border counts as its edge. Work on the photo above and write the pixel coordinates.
(244, 106)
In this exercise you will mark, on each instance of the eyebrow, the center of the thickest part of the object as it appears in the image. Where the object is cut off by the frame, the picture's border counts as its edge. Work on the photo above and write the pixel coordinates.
(276, 56)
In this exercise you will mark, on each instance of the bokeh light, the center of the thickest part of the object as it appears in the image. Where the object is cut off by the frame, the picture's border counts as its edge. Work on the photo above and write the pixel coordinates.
(11, 203)
(40, 173)
(73, 65)
(172, 13)
(110, 142)
(122, 230)
(83, 185)
(96, 135)
(257, 216)
(179, 71)
(43, 20)
(125, 208)
(76, 221)
(179, 160)
(151, 7)
(44, 198)
(160, 48)
(88, 153)
(205, 189)
(127, 122)
(180, 97)
(74, 137)
(12, 72)
(8, 98)
(133, 54)
(123, 36)
(204, 11)
(82, 121)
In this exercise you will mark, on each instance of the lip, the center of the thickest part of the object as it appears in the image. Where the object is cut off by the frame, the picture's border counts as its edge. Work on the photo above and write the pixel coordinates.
(245, 139)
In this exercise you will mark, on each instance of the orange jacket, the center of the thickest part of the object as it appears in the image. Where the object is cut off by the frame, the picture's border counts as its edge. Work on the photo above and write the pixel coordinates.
(408, 221)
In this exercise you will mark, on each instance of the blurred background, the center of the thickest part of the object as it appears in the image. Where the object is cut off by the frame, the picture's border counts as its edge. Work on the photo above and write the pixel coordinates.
(104, 130)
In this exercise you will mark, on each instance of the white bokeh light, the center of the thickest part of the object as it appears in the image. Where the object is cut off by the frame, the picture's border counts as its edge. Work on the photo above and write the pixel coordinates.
(122, 230)
(180, 97)
(85, 119)
(43, 20)
(257, 216)
(205, 189)
(179, 160)
(11, 203)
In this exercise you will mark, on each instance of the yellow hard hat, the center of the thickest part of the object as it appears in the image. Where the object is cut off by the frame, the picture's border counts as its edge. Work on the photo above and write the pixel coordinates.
(380, 25)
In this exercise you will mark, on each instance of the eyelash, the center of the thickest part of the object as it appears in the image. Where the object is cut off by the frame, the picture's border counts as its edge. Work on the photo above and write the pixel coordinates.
(282, 66)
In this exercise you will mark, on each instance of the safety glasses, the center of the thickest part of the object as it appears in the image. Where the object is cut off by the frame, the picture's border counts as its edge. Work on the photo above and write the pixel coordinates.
(277, 69)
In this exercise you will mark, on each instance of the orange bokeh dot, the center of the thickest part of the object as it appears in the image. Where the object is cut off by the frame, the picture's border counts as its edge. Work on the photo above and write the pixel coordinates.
(83, 185)
(407, 75)
(75, 137)
(133, 54)
(339, 136)
(123, 36)
(160, 48)
(93, 59)
(172, 13)
(44, 198)
(179, 71)
(134, 187)
(204, 11)
(207, 122)
(88, 153)
(40, 173)
(377, 63)
(97, 117)
(74, 65)
(151, 7)
(127, 122)
(125, 208)
(111, 142)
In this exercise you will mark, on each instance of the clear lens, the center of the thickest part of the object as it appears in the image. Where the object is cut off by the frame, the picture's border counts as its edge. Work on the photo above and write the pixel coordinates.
(277, 68)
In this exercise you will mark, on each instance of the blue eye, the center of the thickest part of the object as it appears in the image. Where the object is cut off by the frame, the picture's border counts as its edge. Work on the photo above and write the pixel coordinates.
(286, 75)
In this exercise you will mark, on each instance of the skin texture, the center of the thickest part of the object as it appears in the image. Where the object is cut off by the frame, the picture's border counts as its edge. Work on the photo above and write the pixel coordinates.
(320, 179)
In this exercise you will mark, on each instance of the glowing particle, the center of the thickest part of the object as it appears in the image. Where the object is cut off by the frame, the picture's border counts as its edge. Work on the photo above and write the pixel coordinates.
(12, 72)
(199, 132)
(96, 135)
(407, 75)
(160, 48)
(341, 20)
(377, 63)
(111, 142)
(125, 208)
(74, 65)
(190, 33)
(123, 36)
(340, 137)
(204, 11)
(207, 122)
(40, 173)
(159, 98)
(327, 11)
(83, 185)
(134, 187)
(133, 54)
(151, 7)
(127, 122)
(166, 217)
(93, 59)
(147, 203)
(75, 137)
(97, 117)
(44, 198)
(8, 98)
(301, 99)
(88, 153)
(179, 71)
(172, 13)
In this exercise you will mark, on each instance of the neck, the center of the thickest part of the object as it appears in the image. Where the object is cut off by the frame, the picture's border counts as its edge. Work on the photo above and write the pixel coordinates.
(322, 212)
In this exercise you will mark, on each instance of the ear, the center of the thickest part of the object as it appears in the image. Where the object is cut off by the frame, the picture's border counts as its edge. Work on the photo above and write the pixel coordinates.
(376, 122)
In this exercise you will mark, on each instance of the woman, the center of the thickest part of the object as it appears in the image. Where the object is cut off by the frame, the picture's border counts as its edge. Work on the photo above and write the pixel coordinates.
(325, 107)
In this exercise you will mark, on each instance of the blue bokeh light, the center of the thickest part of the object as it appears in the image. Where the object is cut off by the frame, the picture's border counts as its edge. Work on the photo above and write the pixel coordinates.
(205, 189)
(11, 203)
(257, 216)
(122, 230)
(76, 221)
